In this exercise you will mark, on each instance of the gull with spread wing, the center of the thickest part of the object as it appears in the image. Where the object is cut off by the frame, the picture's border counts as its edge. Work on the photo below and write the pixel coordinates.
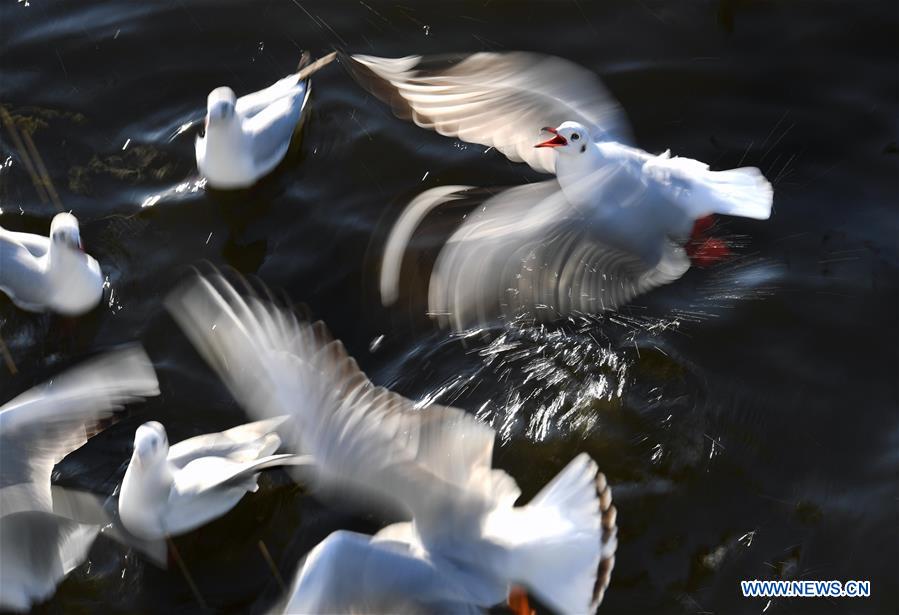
(613, 224)
(467, 543)
(40, 545)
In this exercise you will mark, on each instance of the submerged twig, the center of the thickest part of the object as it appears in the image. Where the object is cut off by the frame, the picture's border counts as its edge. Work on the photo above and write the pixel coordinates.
(7, 357)
(317, 65)
(190, 581)
(271, 564)
(42, 171)
(23, 153)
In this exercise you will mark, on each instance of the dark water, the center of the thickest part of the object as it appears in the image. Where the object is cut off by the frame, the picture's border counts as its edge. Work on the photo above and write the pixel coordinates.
(747, 415)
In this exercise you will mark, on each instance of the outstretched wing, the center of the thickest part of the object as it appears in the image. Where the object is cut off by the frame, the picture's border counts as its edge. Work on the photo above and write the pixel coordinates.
(527, 252)
(46, 423)
(39, 549)
(500, 100)
(434, 462)
(352, 573)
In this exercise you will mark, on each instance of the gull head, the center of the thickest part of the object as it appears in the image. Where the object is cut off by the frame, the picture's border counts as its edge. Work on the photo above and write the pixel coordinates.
(569, 138)
(220, 106)
(151, 444)
(65, 233)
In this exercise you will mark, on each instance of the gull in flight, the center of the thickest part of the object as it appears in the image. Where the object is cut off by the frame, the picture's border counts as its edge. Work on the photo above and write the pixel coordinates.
(168, 491)
(54, 274)
(246, 138)
(614, 223)
(38, 428)
(467, 545)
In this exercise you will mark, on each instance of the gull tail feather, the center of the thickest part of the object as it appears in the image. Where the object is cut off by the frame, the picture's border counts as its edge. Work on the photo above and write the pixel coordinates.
(740, 192)
(567, 558)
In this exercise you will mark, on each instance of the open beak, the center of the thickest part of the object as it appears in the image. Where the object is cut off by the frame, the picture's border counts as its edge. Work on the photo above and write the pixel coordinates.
(556, 141)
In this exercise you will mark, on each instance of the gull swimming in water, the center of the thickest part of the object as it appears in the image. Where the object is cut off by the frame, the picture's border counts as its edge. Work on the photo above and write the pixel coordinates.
(614, 223)
(41, 274)
(168, 491)
(467, 544)
(247, 137)
(37, 430)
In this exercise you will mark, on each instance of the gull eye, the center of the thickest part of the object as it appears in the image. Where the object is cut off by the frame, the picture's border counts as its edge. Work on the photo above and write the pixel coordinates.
(575, 136)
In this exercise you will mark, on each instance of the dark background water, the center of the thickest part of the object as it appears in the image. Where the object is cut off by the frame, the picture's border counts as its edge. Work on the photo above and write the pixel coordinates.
(747, 415)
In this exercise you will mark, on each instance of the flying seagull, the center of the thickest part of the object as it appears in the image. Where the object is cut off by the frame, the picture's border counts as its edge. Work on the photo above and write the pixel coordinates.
(613, 223)
(467, 544)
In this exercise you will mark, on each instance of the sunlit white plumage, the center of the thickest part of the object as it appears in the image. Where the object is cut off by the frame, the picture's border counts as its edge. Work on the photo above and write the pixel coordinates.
(619, 215)
(40, 543)
(52, 273)
(466, 543)
(247, 137)
(167, 491)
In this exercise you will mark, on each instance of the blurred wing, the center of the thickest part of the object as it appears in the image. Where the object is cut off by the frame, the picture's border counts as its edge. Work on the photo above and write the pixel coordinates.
(249, 105)
(46, 423)
(351, 573)
(81, 506)
(403, 230)
(90, 509)
(40, 548)
(361, 436)
(500, 100)
(528, 252)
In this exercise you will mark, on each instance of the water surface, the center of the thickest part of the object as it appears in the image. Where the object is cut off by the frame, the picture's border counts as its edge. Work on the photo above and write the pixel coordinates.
(746, 415)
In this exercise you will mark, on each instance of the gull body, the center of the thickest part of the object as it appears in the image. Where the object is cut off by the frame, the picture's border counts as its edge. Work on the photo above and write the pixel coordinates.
(686, 184)
(168, 491)
(611, 225)
(38, 429)
(54, 274)
(467, 543)
(247, 137)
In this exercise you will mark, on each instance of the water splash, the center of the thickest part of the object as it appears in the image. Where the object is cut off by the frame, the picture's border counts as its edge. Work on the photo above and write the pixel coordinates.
(552, 380)
(188, 187)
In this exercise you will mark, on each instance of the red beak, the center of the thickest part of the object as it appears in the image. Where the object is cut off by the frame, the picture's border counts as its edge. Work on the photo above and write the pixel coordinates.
(556, 141)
